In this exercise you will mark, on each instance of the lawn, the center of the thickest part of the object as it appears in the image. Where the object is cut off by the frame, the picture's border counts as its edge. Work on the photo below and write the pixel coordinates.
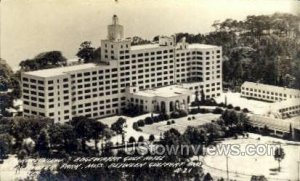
(180, 124)
(257, 107)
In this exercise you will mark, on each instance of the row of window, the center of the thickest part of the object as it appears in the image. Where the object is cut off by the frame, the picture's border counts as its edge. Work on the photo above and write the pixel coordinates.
(25, 79)
(268, 92)
(289, 108)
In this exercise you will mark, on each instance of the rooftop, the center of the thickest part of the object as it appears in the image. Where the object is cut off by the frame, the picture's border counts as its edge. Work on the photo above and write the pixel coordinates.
(202, 46)
(285, 104)
(156, 45)
(145, 46)
(271, 87)
(168, 91)
(60, 70)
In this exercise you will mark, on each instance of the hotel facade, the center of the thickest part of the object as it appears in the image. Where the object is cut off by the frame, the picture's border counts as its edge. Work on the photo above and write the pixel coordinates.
(101, 89)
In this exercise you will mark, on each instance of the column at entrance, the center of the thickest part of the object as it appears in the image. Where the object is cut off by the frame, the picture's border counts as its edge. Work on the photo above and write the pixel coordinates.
(167, 104)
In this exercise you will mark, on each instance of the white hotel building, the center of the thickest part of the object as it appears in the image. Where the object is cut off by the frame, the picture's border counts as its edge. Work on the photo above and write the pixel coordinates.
(99, 89)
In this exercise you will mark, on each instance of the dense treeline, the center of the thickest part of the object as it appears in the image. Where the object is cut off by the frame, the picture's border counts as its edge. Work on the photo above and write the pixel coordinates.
(44, 60)
(40, 136)
(8, 80)
(260, 48)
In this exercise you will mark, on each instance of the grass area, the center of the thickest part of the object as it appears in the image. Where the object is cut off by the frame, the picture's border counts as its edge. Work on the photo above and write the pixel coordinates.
(110, 120)
(180, 124)
(255, 106)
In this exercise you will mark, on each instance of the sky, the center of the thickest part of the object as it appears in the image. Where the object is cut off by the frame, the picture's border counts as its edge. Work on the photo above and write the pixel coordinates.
(29, 27)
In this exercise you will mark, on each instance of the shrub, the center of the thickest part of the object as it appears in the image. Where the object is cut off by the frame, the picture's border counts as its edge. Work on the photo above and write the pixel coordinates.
(218, 110)
(194, 103)
(160, 117)
(141, 139)
(163, 117)
(193, 117)
(210, 102)
(151, 137)
(183, 113)
(245, 110)
(221, 104)
(148, 120)
(237, 108)
(175, 114)
(131, 140)
(135, 126)
(203, 111)
(167, 117)
(141, 123)
(173, 122)
(230, 106)
(189, 119)
(156, 119)
(194, 111)
(168, 122)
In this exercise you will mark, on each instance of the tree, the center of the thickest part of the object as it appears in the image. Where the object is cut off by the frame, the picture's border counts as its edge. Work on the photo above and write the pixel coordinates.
(131, 140)
(141, 139)
(151, 137)
(28, 127)
(63, 135)
(5, 145)
(279, 155)
(86, 51)
(43, 143)
(44, 60)
(202, 96)
(98, 130)
(139, 41)
(118, 125)
(196, 97)
(197, 102)
(6, 101)
(207, 177)
(83, 128)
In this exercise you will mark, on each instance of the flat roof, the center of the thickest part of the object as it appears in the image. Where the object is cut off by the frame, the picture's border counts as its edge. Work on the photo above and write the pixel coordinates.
(156, 45)
(168, 91)
(201, 46)
(285, 104)
(271, 87)
(145, 46)
(60, 70)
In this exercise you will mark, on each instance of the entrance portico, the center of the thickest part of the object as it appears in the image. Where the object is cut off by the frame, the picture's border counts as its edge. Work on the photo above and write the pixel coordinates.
(165, 99)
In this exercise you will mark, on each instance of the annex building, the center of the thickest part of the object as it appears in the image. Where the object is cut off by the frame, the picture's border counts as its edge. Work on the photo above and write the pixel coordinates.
(99, 89)
(285, 101)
